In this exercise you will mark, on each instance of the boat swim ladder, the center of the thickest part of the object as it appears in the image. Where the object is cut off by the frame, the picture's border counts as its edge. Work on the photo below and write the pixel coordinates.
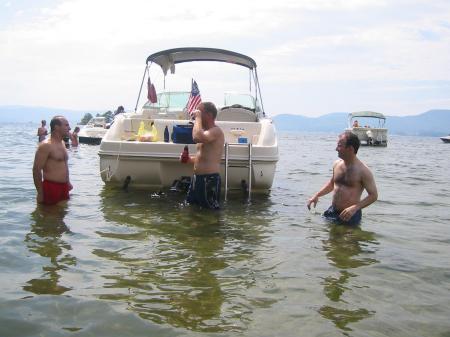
(248, 165)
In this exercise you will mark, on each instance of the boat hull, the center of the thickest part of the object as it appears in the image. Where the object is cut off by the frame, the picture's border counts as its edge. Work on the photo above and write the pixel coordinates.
(91, 135)
(160, 171)
(89, 140)
(445, 139)
(156, 165)
(371, 136)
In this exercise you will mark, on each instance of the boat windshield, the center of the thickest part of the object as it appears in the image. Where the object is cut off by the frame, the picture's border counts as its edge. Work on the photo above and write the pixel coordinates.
(169, 100)
(245, 100)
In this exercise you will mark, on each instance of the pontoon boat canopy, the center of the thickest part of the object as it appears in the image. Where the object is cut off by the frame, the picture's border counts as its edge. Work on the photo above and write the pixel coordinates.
(167, 59)
(366, 114)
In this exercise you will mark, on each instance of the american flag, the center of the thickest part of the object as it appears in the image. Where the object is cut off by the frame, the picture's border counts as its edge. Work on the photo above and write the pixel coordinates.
(194, 99)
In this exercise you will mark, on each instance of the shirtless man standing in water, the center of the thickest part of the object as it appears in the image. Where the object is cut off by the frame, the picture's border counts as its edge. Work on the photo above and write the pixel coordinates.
(205, 184)
(42, 131)
(350, 178)
(50, 169)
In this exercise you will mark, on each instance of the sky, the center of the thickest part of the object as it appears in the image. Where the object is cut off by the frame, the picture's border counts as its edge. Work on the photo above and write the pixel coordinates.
(313, 57)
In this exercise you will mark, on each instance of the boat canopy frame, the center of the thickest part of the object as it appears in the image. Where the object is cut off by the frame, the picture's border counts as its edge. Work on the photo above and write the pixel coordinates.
(367, 114)
(167, 59)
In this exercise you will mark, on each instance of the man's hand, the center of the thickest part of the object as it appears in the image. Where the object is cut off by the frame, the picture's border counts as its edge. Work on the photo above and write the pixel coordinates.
(313, 200)
(347, 213)
(197, 114)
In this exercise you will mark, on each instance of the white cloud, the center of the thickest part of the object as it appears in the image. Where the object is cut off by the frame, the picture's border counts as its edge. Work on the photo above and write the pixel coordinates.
(90, 54)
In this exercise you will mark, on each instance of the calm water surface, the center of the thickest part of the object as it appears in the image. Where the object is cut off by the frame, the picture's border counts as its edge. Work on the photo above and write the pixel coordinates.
(116, 263)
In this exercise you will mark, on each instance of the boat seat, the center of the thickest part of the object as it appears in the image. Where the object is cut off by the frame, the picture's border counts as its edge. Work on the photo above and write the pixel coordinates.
(234, 114)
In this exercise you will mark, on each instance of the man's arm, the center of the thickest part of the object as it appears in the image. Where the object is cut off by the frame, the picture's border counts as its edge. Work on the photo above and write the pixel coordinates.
(371, 189)
(327, 188)
(40, 159)
(68, 177)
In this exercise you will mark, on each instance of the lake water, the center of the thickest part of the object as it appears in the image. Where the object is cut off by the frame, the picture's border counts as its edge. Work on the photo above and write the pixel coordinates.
(116, 263)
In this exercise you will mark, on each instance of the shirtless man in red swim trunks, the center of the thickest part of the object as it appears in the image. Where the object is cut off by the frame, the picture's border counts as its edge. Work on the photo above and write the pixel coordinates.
(50, 169)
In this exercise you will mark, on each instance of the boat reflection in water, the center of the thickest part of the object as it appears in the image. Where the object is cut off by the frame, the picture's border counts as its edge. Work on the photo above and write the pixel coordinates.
(348, 248)
(46, 239)
(178, 265)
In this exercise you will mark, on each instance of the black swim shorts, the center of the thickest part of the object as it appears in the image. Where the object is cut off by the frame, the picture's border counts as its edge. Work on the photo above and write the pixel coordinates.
(205, 190)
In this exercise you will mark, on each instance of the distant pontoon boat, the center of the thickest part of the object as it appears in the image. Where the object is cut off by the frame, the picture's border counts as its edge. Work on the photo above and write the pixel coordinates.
(370, 128)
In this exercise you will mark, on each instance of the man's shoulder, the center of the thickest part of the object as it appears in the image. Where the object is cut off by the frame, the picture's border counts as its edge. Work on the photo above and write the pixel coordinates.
(364, 168)
(44, 147)
(337, 163)
(216, 128)
(217, 131)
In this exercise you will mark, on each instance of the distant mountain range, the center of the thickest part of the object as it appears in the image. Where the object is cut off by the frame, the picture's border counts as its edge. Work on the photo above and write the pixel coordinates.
(430, 123)
(25, 114)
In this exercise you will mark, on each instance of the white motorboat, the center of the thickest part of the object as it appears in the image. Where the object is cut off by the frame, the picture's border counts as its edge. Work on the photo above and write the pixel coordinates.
(446, 139)
(93, 131)
(251, 145)
(369, 126)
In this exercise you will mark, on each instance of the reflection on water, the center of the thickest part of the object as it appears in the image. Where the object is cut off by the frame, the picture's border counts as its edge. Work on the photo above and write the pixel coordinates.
(177, 264)
(136, 264)
(45, 239)
(347, 249)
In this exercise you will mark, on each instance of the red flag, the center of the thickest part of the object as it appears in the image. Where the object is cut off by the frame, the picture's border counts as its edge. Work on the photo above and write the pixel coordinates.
(151, 92)
(194, 99)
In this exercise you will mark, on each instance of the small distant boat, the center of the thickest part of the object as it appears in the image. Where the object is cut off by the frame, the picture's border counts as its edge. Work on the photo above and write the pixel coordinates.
(93, 131)
(446, 139)
(369, 134)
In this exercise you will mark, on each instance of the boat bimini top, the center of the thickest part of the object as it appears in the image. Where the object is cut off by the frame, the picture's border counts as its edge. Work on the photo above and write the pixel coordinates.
(167, 59)
(370, 114)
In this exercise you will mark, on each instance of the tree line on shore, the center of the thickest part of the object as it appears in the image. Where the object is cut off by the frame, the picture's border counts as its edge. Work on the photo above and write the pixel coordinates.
(88, 116)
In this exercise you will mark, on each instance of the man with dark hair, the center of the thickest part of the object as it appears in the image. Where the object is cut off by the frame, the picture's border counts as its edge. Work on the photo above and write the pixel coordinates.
(350, 178)
(205, 184)
(120, 109)
(50, 168)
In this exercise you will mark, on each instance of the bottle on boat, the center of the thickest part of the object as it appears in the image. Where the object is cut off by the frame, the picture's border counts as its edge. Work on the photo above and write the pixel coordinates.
(166, 134)
(185, 154)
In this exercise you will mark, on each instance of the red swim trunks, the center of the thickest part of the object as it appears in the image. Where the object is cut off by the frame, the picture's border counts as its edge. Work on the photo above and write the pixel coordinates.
(55, 192)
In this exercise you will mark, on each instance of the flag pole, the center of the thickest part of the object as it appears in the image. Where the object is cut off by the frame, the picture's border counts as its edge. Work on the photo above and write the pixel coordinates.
(140, 89)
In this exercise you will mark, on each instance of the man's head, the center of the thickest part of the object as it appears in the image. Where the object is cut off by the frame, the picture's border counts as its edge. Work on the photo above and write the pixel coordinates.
(208, 109)
(43, 122)
(61, 125)
(347, 141)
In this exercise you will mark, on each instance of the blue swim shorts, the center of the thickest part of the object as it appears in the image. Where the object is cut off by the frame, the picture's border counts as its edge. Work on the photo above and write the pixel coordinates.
(332, 214)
